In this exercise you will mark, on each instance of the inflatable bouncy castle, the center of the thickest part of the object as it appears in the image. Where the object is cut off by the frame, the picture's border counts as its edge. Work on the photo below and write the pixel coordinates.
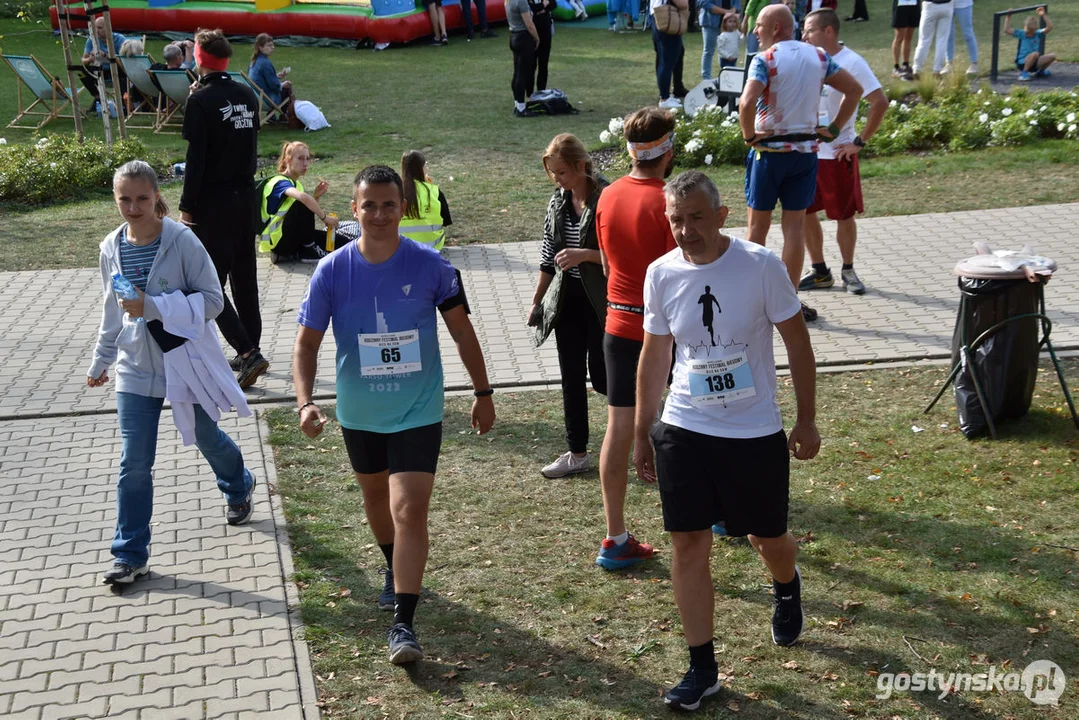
(381, 21)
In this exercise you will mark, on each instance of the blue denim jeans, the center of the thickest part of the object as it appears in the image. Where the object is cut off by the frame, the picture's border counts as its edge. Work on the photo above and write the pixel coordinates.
(965, 18)
(752, 43)
(709, 36)
(668, 49)
(139, 418)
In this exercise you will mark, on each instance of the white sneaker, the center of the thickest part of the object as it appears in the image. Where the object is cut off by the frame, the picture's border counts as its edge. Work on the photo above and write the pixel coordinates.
(973, 69)
(567, 464)
(671, 103)
(947, 69)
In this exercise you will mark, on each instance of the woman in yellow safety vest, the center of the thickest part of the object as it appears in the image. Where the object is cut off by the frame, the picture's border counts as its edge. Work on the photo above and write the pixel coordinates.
(288, 212)
(426, 211)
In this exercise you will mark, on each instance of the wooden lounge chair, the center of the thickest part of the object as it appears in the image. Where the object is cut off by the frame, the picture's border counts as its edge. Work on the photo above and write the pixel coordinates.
(267, 107)
(136, 68)
(47, 90)
(175, 86)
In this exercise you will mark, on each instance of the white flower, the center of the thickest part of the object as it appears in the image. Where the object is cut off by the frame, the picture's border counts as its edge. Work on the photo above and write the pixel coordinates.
(615, 125)
(986, 102)
(52, 165)
(42, 142)
(697, 132)
(1041, 109)
(605, 137)
(694, 145)
(893, 103)
(1071, 128)
(904, 108)
(708, 159)
(1006, 111)
(984, 117)
(1030, 112)
(3, 141)
(1060, 127)
(1070, 118)
(1034, 123)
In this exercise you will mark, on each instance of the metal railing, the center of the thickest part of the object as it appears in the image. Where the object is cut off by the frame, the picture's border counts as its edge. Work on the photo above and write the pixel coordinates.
(996, 34)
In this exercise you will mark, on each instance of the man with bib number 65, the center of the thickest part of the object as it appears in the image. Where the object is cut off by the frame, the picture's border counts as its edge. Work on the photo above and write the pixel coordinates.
(381, 293)
(719, 449)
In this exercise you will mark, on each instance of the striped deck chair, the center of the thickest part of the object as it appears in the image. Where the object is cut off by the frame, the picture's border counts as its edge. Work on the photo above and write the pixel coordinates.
(176, 86)
(46, 89)
(268, 107)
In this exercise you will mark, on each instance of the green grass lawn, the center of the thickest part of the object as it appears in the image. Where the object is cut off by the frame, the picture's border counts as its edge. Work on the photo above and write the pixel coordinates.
(962, 552)
(454, 104)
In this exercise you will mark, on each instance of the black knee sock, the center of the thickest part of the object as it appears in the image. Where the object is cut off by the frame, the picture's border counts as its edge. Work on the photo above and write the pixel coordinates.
(703, 657)
(387, 550)
(820, 268)
(405, 609)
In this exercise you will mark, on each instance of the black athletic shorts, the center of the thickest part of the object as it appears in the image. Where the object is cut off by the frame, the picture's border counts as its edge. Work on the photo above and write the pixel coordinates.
(621, 356)
(906, 16)
(413, 450)
(704, 479)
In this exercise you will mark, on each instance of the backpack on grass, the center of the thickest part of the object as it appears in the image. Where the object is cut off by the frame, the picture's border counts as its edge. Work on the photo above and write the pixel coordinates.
(550, 102)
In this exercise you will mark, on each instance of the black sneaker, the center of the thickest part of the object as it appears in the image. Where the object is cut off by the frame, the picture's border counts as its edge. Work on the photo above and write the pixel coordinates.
(388, 597)
(807, 312)
(445, 40)
(695, 686)
(787, 616)
(311, 254)
(489, 34)
(124, 574)
(523, 113)
(236, 363)
(404, 648)
(253, 366)
(813, 280)
(240, 514)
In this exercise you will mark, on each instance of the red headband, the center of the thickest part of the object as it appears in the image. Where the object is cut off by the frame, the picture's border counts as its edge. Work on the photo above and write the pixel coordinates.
(211, 62)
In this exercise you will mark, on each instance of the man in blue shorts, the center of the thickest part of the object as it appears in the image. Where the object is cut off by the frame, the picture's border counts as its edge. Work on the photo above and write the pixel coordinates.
(381, 293)
(778, 115)
(718, 450)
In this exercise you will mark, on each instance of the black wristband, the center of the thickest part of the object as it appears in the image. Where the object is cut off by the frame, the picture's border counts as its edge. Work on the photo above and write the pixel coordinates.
(484, 393)
(307, 404)
(859, 141)
(749, 140)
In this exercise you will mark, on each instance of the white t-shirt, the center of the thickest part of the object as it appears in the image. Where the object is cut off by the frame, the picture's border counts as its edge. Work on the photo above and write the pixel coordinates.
(831, 99)
(728, 44)
(721, 316)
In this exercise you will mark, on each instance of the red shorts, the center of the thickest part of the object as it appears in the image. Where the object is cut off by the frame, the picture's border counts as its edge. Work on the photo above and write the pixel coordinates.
(839, 189)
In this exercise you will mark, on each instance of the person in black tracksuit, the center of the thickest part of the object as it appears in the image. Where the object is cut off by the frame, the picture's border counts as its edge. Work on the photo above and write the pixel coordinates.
(541, 17)
(221, 124)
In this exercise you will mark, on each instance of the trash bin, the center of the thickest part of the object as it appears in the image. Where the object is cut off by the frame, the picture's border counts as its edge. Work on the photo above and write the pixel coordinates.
(996, 342)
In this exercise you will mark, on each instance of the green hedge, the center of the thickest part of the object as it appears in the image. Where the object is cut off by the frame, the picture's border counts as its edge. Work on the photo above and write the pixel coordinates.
(58, 167)
(955, 119)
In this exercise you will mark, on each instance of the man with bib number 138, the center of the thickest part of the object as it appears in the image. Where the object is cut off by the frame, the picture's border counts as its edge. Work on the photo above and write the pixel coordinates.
(719, 451)
(381, 293)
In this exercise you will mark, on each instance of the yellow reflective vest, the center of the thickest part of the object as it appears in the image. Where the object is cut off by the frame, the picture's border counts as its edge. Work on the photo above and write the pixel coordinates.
(427, 228)
(273, 227)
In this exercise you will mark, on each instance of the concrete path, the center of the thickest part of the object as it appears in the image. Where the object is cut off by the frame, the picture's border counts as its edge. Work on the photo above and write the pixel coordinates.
(213, 633)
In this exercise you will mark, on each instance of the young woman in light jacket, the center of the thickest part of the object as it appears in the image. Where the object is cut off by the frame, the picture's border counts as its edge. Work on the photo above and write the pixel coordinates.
(157, 255)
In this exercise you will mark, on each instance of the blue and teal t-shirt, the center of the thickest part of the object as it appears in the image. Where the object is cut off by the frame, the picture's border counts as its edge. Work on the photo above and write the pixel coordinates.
(1027, 45)
(389, 369)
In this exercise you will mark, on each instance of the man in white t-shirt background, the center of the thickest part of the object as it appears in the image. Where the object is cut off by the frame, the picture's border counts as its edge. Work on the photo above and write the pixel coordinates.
(839, 184)
(719, 451)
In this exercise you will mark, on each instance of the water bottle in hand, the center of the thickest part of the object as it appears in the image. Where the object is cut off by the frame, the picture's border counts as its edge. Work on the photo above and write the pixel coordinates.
(123, 288)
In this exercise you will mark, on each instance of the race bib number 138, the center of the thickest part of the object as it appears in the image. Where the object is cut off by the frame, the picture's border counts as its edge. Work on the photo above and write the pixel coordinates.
(389, 353)
(720, 381)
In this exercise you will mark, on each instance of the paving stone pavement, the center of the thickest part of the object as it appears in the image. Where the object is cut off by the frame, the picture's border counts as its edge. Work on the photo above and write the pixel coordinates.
(210, 633)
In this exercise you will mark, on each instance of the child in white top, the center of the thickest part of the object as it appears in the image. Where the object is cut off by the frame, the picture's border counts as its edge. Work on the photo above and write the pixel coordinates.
(730, 42)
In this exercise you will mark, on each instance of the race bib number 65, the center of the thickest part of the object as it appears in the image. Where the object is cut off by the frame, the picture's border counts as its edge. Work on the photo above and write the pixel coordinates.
(721, 380)
(389, 353)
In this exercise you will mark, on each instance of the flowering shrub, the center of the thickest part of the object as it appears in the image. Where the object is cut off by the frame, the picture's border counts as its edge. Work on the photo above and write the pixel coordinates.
(957, 118)
(58, 167)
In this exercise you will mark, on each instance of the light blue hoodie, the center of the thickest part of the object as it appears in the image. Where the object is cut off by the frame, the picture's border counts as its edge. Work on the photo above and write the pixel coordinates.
(181, 264)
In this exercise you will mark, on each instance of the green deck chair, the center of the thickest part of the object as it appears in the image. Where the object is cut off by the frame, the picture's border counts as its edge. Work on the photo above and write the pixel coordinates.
(46, 89)
(176, 86)
(136, 68)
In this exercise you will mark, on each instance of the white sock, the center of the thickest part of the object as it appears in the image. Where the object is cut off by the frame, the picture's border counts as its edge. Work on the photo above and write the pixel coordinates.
(519, 105)
(619, 539)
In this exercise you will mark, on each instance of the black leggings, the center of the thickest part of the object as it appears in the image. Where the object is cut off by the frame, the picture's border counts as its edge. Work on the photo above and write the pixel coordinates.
(224, 224)
(298, 230)
(543, 52)
(579, 335)
(861, 12)
(524, 64)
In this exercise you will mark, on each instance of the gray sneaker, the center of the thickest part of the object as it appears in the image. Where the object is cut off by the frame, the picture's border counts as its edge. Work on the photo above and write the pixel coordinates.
(567, 464)
(851, 282)
(388, 597)
(404, 647)
(123, 574)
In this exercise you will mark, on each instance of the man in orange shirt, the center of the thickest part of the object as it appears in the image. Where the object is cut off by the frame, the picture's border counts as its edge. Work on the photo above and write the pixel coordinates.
(633, 231)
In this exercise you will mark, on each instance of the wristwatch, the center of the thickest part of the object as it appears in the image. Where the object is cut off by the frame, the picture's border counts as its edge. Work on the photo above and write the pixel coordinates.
(859, 141)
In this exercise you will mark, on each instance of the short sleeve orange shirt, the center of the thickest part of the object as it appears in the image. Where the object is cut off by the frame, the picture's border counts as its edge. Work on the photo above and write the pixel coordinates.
(632, 230)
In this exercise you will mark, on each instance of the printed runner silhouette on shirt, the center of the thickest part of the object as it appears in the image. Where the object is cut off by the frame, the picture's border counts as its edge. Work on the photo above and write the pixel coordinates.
(707, 316)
